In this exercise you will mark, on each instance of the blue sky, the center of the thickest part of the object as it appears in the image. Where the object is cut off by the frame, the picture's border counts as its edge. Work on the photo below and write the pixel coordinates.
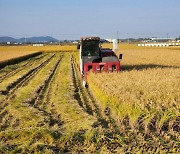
(70, 19)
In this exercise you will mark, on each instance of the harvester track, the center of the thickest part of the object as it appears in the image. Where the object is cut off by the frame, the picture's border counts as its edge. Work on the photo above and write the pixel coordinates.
(91, 105)
(88, 102)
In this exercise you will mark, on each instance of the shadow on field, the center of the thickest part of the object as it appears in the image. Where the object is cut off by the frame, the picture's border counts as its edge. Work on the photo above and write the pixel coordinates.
(144, 66)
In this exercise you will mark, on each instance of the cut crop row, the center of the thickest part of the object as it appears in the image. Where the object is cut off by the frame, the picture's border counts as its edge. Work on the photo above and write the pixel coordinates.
(24, 76)
(36, 101)
(7, 99)
(18, 59)
(10, 94)
(11, 70)
(26, 89)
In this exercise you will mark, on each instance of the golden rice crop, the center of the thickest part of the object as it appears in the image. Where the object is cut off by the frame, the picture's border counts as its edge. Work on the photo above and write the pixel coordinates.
(9, 52)
(148, 84)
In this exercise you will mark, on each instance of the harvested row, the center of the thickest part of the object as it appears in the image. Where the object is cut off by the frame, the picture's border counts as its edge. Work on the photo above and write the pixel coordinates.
(36, 101)
(5, 115)
(20, 82)
(22, 76)
(14, 69)
(5, 103)
(18, 59)
(29, 122)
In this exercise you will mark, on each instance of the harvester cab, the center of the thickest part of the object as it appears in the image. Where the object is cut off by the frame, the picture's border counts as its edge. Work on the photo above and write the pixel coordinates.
(95, 58)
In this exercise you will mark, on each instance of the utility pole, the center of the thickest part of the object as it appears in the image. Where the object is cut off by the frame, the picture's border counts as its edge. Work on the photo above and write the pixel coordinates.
(167, 36)
(24, 38)
(118, 36)
(128, 37)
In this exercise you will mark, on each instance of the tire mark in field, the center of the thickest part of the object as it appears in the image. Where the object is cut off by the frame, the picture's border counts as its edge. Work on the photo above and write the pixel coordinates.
(18, 69)
(89, 104)
(52, 117)
(79, 93)
(86, 100)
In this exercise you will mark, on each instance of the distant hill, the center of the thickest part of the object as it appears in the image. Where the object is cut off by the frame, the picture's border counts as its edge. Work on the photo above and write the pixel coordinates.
(7, 39)
(28, 39)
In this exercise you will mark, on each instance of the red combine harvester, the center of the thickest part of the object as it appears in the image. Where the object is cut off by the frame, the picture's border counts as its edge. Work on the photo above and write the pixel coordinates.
(95, 58)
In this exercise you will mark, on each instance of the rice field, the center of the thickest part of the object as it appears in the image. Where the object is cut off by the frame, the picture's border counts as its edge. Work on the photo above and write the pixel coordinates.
(44, 107)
